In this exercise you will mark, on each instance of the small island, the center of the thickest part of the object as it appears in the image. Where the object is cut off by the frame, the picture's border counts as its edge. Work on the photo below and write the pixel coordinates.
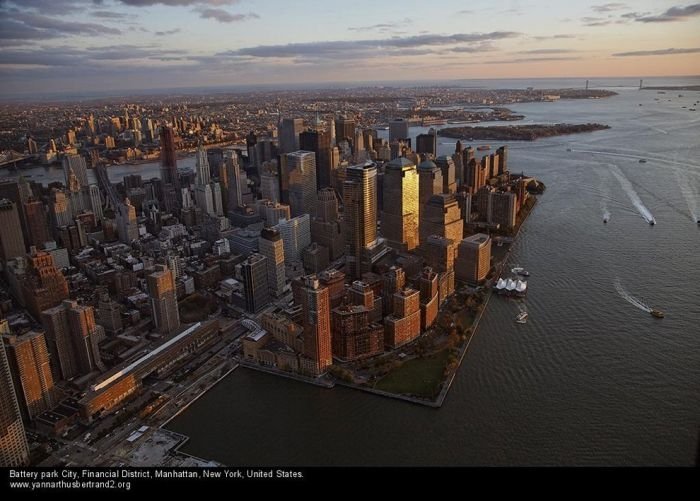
(519, 132)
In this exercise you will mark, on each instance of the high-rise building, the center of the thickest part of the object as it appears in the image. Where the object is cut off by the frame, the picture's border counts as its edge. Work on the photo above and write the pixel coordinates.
(202, 172)
(362, 247)
(447, 166)
(71, 337)
(429, 182)
(398, 129)
(43, 284)
(232, 170)
(502, 165)
(37, 223)
(355, 335)
(393, 280)
(503, 209)
(319, 142)
(14, 450)
(440, 253)
(127, 226)
(344, 129)
(270, 182)
(19, 192)
(429, 297)
(441, 216)
(31, 372)
(403, 325)
(289, 131)
(11, 238)
(400, 216)
(168, 157)
(75, 169)
(296, 236)
(427, 143)
(161, 288)
(325, 226)
(473, 260)
(255, 273)
(316, 309)
(272, 247)
(96, 201)
(301, 172)
(109, 315)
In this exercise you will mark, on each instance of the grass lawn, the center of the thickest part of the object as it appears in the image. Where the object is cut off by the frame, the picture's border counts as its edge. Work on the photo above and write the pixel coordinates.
(420, 376)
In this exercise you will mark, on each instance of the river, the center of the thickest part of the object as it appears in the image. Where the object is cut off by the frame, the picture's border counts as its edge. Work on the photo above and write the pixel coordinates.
(589, 380)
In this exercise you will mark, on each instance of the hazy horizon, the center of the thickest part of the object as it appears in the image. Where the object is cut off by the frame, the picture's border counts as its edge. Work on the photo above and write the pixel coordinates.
(74, 46)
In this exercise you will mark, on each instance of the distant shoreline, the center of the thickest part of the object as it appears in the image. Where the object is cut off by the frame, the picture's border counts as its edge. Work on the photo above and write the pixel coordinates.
(518, 132)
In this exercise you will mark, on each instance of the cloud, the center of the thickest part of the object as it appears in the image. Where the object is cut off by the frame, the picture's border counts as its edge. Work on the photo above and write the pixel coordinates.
(70, 57)
(167, 32)
(350, 48)
(106, 14)
(673, 14)
(529, 60)
(30, 26)
(465, 11)
(177, 3)
(597, 21)
(225, 17)
(59, 7)
(658, 52)
(555, 37)
(374, 27)
(547, 51)
(608, 7)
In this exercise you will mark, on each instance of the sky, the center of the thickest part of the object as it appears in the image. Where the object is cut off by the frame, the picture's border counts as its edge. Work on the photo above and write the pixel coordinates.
(51, 46)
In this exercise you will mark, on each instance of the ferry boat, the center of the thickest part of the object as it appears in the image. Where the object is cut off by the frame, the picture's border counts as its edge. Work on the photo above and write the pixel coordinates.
(605, 219)
(522, 317)
(657, 313)
(642, 160)
(483, 147)
(652, 221)
(520, 271)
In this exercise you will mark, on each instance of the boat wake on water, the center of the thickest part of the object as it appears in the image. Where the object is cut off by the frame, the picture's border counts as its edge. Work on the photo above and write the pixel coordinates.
(630, 298)
(632, 194)
(690, 196)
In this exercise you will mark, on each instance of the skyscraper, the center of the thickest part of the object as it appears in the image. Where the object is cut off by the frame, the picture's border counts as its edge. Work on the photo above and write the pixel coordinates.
(301, 172)
(398, 129)
(400, 202)
(441, 216)
(316, 309)
(447, 166)
(362, 247)
(75, 169)
(127, 226)
(427, 143)
(109, 315)
(272, 247)
(429, 182)
(29, 363)
(14, 450)
(37, 223)
(255, 273)
(168, 157)
(296, 236)
(325, 226)
(161, 288)
(11, 238)
(344, 129)
(319, 142)
(202, 186)
(43, 284)
(473, 259)
(403, 325)
(290, 128)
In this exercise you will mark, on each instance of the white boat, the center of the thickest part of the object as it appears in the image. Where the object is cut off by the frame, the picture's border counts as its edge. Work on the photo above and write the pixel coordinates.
(520, 271)
(522, 317)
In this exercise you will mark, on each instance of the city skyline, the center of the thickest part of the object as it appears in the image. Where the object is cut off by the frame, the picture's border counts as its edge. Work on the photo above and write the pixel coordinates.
(120, 45)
